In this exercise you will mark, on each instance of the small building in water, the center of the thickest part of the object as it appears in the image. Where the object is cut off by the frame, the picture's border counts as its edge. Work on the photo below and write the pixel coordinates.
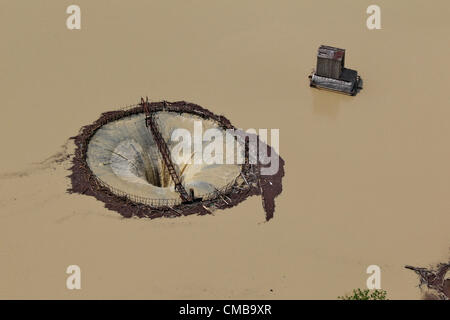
(330, 72)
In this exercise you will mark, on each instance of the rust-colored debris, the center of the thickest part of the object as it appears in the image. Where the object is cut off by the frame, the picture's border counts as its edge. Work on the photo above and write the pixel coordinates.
(436, 281)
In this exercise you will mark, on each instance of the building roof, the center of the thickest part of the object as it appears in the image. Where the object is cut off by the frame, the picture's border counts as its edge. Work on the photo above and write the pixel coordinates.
(333, 53)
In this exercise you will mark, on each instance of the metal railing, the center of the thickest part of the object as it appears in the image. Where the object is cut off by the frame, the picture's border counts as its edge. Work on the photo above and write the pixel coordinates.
(163, 202)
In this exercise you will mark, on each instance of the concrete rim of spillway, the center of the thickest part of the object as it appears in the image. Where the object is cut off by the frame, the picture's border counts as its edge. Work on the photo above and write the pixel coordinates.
(126, 186)
(124, 157)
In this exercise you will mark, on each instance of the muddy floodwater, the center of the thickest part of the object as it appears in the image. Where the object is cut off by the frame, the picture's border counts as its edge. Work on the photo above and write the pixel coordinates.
(366, 182)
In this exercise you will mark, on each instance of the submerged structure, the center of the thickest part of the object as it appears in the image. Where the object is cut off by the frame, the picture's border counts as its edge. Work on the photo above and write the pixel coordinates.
(331, 73)
(434, 281)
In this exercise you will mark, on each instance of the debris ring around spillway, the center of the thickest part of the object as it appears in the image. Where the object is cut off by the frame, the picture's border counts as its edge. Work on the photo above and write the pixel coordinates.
(247, 184)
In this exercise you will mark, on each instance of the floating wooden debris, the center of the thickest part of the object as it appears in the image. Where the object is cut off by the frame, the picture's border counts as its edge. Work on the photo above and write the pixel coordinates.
(331, 74)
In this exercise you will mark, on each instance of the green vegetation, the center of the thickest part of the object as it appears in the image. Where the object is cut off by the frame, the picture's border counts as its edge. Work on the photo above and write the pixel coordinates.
(366, 294)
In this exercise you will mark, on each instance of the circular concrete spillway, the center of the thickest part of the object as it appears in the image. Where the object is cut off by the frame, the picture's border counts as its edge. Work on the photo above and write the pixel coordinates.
(117, 161)
(124, 155)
